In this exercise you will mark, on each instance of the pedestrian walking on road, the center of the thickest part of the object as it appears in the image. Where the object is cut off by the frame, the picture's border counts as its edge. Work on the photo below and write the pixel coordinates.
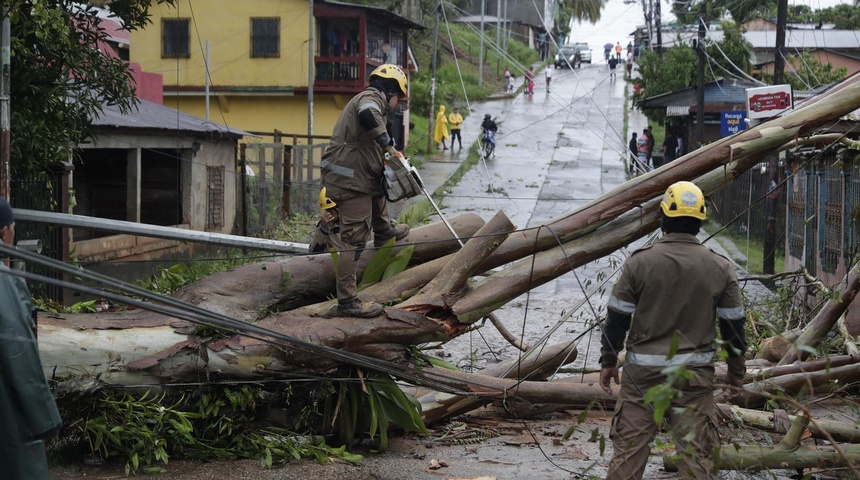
(530, 81)
(612, 64)
(548, 75)
(671, 297)
(352, 167)
(632, 147)
(440, 132)
(455, 120)
(29, 411)
(618, 51)
(629, 64)
(507, 75)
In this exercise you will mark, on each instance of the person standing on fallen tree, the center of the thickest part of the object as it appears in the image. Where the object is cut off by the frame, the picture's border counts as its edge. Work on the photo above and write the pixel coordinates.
(352, 169)
(670, 296)
(28, 413)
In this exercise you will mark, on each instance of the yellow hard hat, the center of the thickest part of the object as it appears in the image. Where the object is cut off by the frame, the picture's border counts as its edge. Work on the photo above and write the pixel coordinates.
(393, 72)
(683, 199)
(325, 202)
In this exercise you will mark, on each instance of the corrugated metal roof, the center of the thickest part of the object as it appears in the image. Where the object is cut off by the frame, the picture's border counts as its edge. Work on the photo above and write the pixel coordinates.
(677, 110)
(762, 39)
(154, 117)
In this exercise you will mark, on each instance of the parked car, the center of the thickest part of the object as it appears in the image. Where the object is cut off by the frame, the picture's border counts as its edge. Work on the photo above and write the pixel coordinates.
(573, 55)
(568, 55)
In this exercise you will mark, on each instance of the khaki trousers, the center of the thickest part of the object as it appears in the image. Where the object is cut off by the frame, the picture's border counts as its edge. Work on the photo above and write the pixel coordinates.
(359, 213)
(690, 417)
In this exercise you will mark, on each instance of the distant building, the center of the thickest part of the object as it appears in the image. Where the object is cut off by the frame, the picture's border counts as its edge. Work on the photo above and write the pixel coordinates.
(257, 74)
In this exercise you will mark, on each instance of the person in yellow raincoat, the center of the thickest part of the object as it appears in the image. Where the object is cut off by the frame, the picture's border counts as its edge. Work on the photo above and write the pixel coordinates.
(440, 132)
(455, 120)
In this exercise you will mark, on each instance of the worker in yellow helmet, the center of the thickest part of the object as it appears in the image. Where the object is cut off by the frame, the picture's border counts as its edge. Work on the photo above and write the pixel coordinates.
(327, 234)
(671, 296)
(352, 168)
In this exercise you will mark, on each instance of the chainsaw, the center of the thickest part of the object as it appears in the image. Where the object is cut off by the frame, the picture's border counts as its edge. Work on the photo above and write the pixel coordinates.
(405, 182)
(400, 183)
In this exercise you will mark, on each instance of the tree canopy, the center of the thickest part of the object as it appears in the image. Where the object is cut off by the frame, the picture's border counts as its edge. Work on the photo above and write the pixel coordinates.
(676, 68)
(59, 80)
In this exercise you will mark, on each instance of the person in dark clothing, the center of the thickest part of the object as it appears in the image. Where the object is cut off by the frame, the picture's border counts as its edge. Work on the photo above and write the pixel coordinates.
(633, 148)
(670, 147)
(613, 63)
(29, 412)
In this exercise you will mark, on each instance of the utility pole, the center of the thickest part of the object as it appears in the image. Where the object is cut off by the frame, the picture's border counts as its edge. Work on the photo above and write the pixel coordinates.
(779, 51)
(5, 89)
(658, 25)
(772, 201)
(433, 79)
(311, 68)
(481, 53)
(700, 88)
(498, 33)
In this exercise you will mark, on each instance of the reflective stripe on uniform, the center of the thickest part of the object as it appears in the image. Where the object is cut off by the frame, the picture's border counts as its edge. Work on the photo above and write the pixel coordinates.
(621, 306)
(652, 360)
(342, 171)
(368, 106)
(731, 313)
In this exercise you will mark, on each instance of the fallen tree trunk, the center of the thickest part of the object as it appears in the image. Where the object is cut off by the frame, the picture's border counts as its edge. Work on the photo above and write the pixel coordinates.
(797, 385)
(779, 421)
(825, 320)
(534, 365)
(248, 292)
(788, 454)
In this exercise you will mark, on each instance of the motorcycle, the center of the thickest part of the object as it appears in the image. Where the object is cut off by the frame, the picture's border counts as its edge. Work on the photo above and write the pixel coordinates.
(488, 142)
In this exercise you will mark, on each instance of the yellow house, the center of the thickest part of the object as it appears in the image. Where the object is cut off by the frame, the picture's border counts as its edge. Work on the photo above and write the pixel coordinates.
(258, 60)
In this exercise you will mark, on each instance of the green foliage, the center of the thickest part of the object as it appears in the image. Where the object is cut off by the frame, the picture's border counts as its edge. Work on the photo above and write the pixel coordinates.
(676, 68)
(368, 405)
(385, 263)
(152, 429)
(450, 91)
(59, 81)
(805, 72)
(167, 280)
(843, 16)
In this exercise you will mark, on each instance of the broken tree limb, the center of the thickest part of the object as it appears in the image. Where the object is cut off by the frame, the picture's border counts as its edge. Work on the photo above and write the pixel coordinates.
(488, 389)
(247, 292)
(507, 335)
(801, 367)
(788, 454)
(825, 320)
(445, 287)
(779, 421)
(534, 365)
(795, 385)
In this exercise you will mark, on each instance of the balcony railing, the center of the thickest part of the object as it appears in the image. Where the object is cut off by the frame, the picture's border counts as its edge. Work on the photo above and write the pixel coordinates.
(339, 72)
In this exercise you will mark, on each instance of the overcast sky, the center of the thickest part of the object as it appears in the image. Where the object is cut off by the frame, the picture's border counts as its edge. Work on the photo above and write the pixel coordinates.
(621, 19)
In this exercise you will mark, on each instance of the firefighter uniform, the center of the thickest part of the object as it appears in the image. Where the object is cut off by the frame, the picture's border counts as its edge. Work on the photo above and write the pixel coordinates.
(674, 289)
(352, 167)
